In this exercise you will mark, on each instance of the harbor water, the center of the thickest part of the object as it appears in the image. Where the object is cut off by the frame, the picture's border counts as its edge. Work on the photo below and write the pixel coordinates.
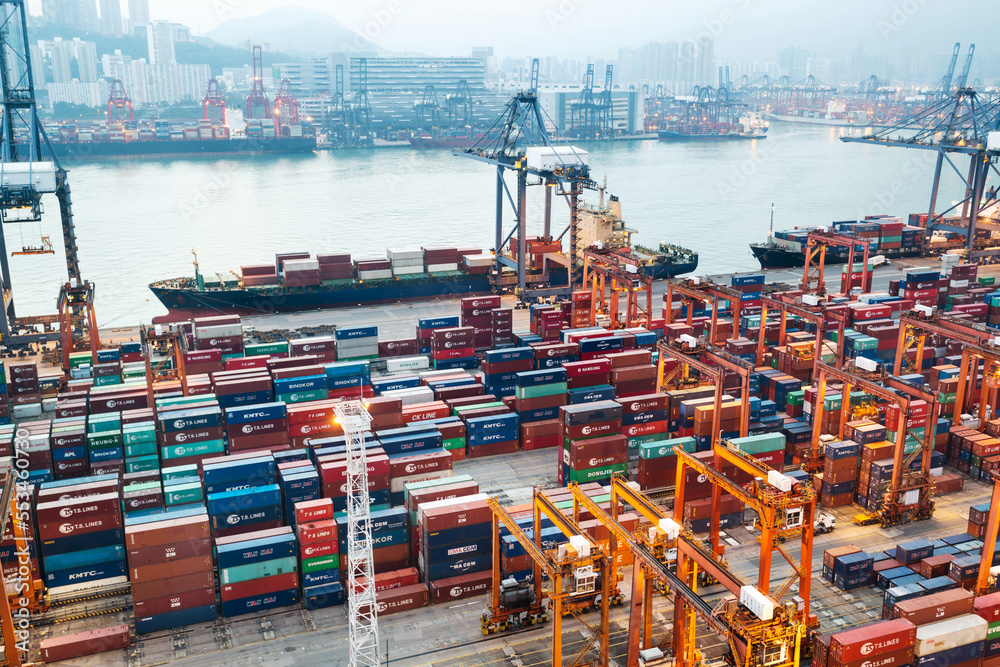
(137, 221)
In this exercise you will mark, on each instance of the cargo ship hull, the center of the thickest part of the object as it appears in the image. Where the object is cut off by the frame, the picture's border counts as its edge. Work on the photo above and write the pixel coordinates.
(278, 300)
(671, 270)
(99, 150)
(776, 257)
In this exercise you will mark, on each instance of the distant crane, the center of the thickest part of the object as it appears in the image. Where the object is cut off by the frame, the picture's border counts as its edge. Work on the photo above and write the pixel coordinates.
(459, 105)
(258, 97)
(606, 105)
(339, 125)
(118, 100)
(427, 109)
(584, 112)
(361, 123)
(286, 107)
(504, 146)
(943, 88)
(214, 98)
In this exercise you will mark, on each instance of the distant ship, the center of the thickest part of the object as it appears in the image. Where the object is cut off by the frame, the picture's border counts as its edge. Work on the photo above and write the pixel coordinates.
(161, 139)
(750, 126)
(446, 139)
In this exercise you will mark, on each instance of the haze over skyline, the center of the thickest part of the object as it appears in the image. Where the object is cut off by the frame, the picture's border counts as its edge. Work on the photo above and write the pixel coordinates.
(597, 28)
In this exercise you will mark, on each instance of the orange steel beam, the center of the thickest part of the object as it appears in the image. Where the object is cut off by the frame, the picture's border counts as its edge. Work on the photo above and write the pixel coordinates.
(989, 541)
(941, 325)
(968, 372)
(818, 319)
(705, 293)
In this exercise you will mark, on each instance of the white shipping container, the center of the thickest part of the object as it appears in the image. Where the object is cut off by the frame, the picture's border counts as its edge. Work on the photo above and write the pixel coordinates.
(555, 157)
(49, 404)
(448, 502)
(383, 274)
(478, 260)
(396, 484)
(358, 353)
(909, 497)
(27, 410)
(219, 331)
(948, 634)
(959, 283)
(413, 396)
(406, 364)
(406, 263)
(407, 270)
(404, 253)
(356, 343)
(438, 268)
(868, 298)
(292, 265)
(761, 605)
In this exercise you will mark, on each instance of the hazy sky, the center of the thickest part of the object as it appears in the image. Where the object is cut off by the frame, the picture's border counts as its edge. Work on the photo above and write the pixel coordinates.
(597, 28)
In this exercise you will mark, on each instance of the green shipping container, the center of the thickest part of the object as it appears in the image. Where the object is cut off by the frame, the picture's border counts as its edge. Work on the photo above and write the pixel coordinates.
(181, 494)
(655, 450)
(946, 399)
(993, 631)
(135, 436)
(303, 396)
(795, 398)
(184, 400)
(591, 474)
(465, 408)
(260, 349)
(142, 463)
(759, 444)
(866, 343)
(141, 486)
(179, 472)
(454, 443)
(987, 280)
(107, 380)
(193, 449)
(641, 440)
(140, 449)
(320, 563)
(104, 440)
(265, 568)
(540, 390)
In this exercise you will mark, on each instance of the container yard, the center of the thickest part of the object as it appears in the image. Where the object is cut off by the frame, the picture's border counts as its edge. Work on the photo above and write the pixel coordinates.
(525, 457)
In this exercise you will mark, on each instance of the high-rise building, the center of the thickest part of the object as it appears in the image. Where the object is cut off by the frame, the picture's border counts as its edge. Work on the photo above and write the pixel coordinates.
(138, 13)
(37, 65)
(86, 57)
(88, 16)
(62, 61)
(111, 17)
(160, 41)
(705, 69)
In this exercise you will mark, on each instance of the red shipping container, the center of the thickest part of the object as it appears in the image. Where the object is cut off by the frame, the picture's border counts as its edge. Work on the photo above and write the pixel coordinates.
(76, 510)
(419, 463)
(166, 532)
(245, 589)
(875, 639)
(162, 553)
(317, 549)
(453, 516)
(164, 587)
(402, 599)
(91, 524)
(177, 568)
(310, 511)
(67, 647)
(186, 600)
(610, 427)
(464, 586)
(396, 579)
(317, 531)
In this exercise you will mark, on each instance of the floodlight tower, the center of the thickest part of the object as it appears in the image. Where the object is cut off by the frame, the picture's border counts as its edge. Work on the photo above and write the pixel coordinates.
(362, 608)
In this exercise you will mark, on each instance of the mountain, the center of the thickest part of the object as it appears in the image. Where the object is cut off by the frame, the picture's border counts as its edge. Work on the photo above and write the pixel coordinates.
(294, 30)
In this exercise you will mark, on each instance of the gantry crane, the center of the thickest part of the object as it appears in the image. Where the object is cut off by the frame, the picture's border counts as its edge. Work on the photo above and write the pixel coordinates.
(168, 343)
(915, 324)
(118, 100)
(459, 106)
(286, 107)
(958, 124)
(27, 176)
(257, 99)
(711, 362)
(522, 128)
(990, 358)
(816, 260)
(362, 133)
(579, 576)
(362, 611)
(704, 291)
(899, 507)
(754, 641)
(814, 314)
(426, 110)
(616, 271)
(986, 580)
(214, 98)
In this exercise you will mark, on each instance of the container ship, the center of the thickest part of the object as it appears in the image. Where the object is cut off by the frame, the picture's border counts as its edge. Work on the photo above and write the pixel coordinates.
(162, 139)
(884, 235)
(750, 126)
(446, 139)
(298, 281)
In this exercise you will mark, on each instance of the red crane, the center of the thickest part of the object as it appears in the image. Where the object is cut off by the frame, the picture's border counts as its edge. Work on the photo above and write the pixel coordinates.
(286, 107)
(257, 96)
(118, 99)
(214, 98)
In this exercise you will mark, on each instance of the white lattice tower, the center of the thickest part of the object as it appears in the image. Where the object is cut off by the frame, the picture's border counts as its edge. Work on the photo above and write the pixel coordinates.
(362, 609)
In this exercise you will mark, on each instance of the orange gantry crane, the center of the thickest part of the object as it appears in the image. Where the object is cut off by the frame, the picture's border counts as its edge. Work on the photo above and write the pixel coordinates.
(816, 260)
(579, 578)
(916, 324)
(909, 495)
(706, 292)
(972, 356)
(710, 362)
(813, 314)
(609, 275)
(767, 635)
(168, 342)
(986, 581)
